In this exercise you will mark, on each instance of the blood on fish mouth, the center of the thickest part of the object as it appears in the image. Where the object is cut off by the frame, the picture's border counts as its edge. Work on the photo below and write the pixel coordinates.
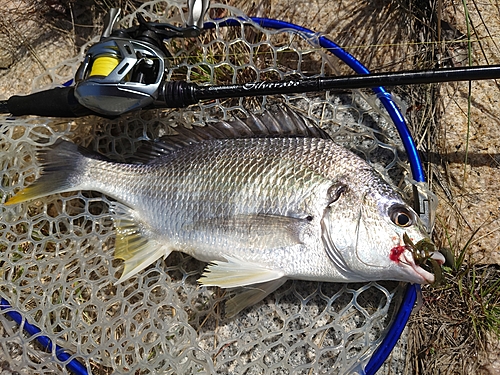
(396, 252)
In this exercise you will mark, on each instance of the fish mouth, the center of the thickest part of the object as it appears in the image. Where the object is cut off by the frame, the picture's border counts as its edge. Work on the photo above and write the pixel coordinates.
(407, 258)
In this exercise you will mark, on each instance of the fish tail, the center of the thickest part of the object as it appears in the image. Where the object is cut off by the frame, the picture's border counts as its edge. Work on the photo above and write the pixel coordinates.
(62, 166)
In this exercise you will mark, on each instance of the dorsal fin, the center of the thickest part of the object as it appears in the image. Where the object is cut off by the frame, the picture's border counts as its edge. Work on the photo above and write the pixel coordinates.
(276, 123)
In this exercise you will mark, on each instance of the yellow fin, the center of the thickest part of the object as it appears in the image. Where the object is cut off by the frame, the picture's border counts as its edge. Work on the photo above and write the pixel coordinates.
(29, 193)
(134, 247)
(61, 171)
(236, 272)
(251, 295)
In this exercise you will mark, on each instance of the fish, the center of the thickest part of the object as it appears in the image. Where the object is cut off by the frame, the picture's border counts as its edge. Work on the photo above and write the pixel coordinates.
(261, 199)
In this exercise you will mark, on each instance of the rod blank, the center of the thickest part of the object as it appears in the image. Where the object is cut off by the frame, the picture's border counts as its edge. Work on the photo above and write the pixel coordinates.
(348, 82)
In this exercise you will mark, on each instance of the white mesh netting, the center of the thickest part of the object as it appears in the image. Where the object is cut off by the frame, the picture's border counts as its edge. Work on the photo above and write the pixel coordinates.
(56, 254)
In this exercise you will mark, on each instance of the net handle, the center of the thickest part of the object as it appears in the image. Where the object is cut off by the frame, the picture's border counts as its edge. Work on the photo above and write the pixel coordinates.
(410, 296)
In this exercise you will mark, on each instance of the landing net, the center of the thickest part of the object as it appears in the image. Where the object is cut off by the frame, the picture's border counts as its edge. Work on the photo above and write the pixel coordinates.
(56, 253)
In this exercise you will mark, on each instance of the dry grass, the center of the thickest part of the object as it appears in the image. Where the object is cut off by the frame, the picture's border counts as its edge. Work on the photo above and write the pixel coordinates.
(459, 322)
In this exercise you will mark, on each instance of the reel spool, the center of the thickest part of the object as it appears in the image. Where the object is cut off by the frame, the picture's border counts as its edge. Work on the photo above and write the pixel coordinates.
(103, 66)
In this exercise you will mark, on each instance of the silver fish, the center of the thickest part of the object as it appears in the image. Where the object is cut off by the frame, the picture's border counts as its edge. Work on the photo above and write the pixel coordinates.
(262, 200)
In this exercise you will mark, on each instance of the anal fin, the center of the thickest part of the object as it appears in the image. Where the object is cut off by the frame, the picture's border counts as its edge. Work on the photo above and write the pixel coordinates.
(236, 272)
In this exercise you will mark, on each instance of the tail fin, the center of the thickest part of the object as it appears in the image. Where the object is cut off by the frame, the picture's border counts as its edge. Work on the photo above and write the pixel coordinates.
(62, 166)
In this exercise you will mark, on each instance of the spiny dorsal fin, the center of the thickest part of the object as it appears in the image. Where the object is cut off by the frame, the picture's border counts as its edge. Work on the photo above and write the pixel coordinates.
(280, 122)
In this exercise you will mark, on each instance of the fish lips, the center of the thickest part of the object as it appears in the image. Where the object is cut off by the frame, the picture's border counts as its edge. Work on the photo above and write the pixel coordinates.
(423, 277)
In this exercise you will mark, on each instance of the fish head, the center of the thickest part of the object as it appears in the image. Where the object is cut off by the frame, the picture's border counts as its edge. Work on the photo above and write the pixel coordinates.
(380, 237)
(413, 257)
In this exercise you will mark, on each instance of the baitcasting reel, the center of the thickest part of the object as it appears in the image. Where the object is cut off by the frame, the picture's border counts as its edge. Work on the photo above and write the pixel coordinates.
(125, 70)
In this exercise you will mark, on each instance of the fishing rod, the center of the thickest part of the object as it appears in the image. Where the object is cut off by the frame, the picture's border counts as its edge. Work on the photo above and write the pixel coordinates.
(69, 102)
(126, 71)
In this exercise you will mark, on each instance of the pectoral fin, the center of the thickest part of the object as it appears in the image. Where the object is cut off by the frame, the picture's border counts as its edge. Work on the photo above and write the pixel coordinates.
(133, 244)
(236, 272)
(256, 230)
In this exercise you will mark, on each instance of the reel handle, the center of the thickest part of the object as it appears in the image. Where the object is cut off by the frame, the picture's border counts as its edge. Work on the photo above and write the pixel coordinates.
(109, 21)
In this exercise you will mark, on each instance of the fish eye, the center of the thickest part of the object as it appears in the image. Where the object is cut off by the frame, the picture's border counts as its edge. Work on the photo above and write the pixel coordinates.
(401, 216)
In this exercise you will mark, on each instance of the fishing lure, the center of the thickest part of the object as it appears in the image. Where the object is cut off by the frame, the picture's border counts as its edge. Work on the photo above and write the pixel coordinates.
(423, 252)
